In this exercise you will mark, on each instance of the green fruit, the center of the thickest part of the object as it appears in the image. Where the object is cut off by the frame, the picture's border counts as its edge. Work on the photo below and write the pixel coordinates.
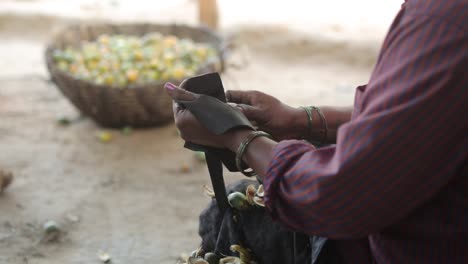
(200, 156)
(212, 258)
(127, 130)
(105, 137)
(109, 79)
(63, 121)
(238, 201)
(50, 226)
(62, 65)
(51, 231)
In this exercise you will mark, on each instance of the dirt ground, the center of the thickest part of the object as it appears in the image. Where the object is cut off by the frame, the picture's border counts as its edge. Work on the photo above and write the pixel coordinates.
(131, 197)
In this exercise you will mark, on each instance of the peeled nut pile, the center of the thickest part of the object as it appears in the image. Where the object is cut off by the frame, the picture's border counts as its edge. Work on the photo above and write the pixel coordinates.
(251, 197)
(241, 201)
(200, 257)
(123, 61)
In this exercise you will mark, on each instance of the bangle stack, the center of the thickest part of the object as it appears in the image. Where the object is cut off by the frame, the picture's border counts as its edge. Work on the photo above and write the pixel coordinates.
(324, 123)
(309, 110)
(243, 148)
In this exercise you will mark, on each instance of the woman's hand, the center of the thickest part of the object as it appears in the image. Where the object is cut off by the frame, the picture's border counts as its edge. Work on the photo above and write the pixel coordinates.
(191, 130)
(270, 114)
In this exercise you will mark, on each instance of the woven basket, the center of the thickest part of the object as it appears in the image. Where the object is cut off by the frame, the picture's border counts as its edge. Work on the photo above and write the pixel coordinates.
(139, 106)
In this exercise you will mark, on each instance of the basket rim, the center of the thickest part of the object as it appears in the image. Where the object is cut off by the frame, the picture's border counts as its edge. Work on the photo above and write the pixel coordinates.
(91, 24)
(52, 45)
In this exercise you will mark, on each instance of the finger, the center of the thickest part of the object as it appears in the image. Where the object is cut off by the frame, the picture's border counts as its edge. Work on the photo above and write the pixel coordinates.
(184, 120)
(235, 107)
(179, 94)
(177, 108)
(252, 113)
(240, 97)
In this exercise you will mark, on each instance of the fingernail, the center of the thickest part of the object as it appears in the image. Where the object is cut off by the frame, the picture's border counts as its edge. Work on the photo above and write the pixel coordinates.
(170, 86)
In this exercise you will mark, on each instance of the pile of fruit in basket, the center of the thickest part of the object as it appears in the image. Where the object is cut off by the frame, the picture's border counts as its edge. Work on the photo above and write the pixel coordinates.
(123, 61)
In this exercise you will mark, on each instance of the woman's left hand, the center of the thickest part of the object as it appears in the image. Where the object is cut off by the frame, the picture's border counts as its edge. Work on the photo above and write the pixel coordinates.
(258, 156)
(191, 130)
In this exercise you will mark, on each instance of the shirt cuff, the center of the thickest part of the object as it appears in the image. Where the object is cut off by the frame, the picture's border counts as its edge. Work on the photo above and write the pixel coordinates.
(285, 155)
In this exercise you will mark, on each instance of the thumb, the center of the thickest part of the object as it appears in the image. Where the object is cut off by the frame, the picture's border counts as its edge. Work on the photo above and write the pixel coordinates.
(179, 94)
(239, 97)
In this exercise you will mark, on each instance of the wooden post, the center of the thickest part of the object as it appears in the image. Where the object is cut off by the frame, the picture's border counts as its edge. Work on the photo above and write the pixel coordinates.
(208, 13)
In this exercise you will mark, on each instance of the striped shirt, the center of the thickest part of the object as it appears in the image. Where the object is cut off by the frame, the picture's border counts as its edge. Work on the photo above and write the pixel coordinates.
(394, 188)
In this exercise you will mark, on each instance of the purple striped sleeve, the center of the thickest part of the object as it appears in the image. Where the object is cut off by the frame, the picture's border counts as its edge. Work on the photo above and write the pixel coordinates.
(398, 152)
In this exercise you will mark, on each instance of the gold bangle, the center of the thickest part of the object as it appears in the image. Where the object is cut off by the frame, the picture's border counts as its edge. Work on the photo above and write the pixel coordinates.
(243, 147)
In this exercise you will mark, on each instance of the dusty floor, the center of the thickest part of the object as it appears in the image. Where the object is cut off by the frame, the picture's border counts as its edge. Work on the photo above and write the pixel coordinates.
(130, 196)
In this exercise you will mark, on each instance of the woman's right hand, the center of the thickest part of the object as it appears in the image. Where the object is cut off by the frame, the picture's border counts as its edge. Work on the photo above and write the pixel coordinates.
(270, 114)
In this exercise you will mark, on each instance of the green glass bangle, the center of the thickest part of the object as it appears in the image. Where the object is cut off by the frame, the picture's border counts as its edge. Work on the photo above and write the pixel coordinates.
(308, 110)
(243, 147)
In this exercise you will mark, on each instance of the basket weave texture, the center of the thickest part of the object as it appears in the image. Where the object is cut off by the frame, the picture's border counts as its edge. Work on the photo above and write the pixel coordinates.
(143, 105)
